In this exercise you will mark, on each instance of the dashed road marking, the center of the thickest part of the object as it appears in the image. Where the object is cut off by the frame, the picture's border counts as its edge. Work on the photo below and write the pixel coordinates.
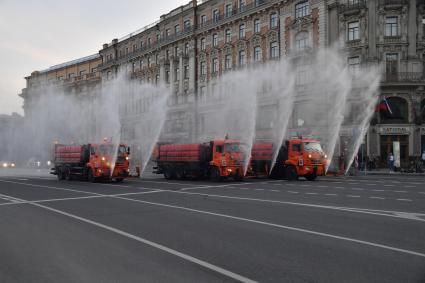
(376, 198)
(333, 195)
(400, 191)
(352, 196)
(409, 186)
(357, 189)
(370, 184)
(276, 191)
(339, 187)
(311, 193)
(389, 185)
(258, 189)
(292, 192)
(403, 199)
(378, 190)
(323, 186)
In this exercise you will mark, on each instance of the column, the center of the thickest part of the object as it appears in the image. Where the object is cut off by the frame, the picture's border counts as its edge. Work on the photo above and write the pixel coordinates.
(181, 79)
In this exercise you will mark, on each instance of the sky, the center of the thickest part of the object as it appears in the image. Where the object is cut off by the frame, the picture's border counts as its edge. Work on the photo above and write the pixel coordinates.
(35, 35)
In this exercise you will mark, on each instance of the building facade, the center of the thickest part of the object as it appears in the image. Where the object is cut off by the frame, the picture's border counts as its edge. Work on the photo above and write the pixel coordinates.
(191, 47)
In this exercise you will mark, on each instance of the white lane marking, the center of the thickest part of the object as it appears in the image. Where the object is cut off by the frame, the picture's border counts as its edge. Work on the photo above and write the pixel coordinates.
(403, 199)
(357, 189)
(339, 187)
(276, 184)
(304, 186)
(353, 196)
(163, 248)
(22, 179)
(400, 191)
(389, 185)
(370, 184)
(393, 214)
(422, 193)
(258, 189)
(409, 186)
(206, 264)
(378, 190)
(80, 198)
(311, 193)
(376, 198)
(292, 192)
(276, 191)
(244, 189)
(47, 187)
(323, 186)
(291, 228)
(333, 195)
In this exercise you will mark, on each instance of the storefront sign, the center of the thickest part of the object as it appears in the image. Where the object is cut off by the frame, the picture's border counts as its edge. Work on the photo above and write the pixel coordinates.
(394, 131)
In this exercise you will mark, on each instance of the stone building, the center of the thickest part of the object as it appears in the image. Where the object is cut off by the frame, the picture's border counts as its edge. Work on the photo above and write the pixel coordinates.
(193, 45)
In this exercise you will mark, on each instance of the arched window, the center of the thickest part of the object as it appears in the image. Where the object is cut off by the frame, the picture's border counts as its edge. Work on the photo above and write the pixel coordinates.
(394, 110)
(301, 41)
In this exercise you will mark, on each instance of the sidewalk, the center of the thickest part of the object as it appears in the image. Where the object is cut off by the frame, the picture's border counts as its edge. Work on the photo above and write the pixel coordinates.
(384, 172)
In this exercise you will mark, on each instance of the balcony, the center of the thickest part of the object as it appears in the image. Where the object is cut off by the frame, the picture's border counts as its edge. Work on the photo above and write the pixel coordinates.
(404, 77)
(233, 14)
(394, 3)
(352, 7)
(392, 39)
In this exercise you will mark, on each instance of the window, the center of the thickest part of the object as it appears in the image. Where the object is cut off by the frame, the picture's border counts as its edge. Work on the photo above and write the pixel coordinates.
(215, 40)
(301, 9)
(228, 62)
(186, 48)
(186, 25)
(71, 75)
(391, 26)
(177, 75)
(126, 50)
(158, 37)
(177, 29)
(353, 2)
(167, 54)
(228, 36)
(93, 70)
(203, 43)
(257, 27)
(134, 47)
(109, 75)
(242, 5)
(177, 51)
(241, 58)
(149, 41)
(149, 61)
(203, 69)
(353, 31)
(167, 33)
(216, 16)
(186, 71)
(203, 19)
(273, 20)
(214, 65)
(274, 50)
(354, 65)
(301, 41)
(141, 44)
(257, 54)
(228, 10)
(242, 31)
(83, 72)
(167, 77)
(157, 59)
(391, 62)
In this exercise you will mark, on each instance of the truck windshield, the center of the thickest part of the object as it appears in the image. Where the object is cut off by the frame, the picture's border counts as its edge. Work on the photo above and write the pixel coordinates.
(313, 146)
(122, 149)
(105, 149)
(232, 147)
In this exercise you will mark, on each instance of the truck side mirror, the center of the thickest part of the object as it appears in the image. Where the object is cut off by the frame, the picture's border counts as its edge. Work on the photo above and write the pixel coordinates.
(128, 150)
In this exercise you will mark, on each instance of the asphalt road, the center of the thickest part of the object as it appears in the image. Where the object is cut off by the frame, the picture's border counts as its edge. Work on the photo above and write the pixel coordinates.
(354, 229)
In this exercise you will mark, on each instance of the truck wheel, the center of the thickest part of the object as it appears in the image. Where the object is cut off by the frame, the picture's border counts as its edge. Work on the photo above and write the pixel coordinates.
(215, 175)
(180, 173)
(168, 173)
(291, 173)
(59, 174)
(90, 176)
(68, 174)
(311, 177)
(119, 180)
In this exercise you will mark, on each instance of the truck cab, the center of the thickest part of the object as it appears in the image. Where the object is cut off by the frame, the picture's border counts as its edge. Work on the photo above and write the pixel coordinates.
(227, 159)
(304, 158)
(105, 157)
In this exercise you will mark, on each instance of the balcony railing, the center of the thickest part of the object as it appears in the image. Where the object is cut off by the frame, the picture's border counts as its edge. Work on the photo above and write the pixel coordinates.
(394, 2)
(414, 77)
(352, 6)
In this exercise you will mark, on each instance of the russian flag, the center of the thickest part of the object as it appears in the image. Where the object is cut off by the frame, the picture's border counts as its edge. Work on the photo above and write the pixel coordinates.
(384, 106)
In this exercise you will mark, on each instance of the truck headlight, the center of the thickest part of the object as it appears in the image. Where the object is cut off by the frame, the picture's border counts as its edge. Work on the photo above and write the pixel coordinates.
(4, 165)
(309, 156)
(12, 165)
(127, 158)
(103, 158)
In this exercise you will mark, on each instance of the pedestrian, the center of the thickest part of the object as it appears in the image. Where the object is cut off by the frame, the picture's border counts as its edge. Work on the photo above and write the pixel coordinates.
(423, 158)
(390, 161)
